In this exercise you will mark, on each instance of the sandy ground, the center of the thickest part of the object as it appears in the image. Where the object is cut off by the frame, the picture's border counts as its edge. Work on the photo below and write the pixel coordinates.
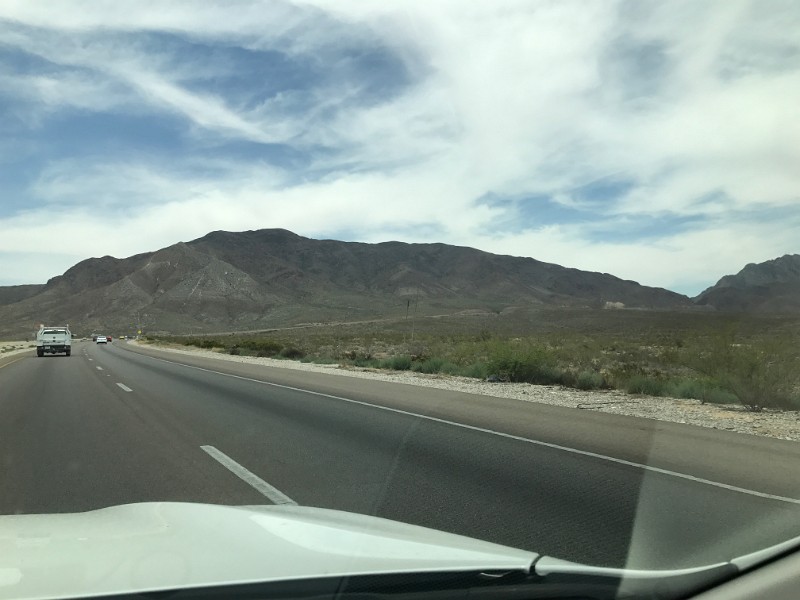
(10, 348)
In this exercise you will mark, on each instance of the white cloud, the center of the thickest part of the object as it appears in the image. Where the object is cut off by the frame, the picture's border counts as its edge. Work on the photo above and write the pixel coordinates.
(115, 66)
(510, 97)
(72, 89)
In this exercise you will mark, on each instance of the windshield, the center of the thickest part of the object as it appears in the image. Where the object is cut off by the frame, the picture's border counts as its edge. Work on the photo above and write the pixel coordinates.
(525, 272)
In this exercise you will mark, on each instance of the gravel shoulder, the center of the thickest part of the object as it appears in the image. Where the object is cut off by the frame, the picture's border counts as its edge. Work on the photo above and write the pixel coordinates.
(15, 348)
(783, 425)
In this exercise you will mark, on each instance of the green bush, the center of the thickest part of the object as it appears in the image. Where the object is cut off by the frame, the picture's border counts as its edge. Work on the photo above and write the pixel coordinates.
(688, 389)
(565, 377)
(401, 362)
(704, 389)
(291, 352)
(522, 364)
(589, 380)
(761, 372)
(431, 365)
(369, 363)
(644, 384)
(263, 347)
(450, 368)
(719, 396)
(321, 360)
(205, 344)
(475, 370)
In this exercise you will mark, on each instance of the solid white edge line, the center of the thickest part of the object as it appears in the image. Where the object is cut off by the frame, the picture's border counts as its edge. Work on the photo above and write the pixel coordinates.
(248, 477)
(124, 387)
(509, 436)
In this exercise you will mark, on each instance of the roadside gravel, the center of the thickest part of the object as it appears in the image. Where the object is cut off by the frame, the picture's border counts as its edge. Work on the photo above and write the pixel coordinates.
(778, 424)
(12, 348)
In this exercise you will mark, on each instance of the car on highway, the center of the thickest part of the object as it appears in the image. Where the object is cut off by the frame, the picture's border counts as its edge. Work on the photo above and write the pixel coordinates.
(101, 339)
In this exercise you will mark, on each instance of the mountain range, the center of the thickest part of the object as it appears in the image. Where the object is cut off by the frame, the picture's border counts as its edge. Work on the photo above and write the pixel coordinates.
(772, 286)
(270, 278)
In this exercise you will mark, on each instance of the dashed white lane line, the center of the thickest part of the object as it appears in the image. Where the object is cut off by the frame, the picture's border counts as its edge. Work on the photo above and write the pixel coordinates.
(620, 461)
(274, 494)
(124, 387)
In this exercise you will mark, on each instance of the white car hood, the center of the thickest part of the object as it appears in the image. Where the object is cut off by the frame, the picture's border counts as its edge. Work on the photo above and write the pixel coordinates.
(168, 545)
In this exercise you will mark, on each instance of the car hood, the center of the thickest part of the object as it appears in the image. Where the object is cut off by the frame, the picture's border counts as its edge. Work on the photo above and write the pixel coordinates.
(170, 545)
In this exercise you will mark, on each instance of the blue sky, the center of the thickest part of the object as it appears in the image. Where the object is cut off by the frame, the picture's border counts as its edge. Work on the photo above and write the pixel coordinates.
(606, 136)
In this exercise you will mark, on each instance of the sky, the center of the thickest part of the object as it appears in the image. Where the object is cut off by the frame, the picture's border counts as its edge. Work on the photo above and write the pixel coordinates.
(656, 141)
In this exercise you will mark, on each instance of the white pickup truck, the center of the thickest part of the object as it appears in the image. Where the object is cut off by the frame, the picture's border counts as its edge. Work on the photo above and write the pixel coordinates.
(54, 340)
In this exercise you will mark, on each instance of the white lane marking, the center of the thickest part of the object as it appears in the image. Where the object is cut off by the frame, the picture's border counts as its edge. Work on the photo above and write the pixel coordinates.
(10, 363)
(124, 387)
(99, 368)
(91, 359)
(274, 494)
(509, 436)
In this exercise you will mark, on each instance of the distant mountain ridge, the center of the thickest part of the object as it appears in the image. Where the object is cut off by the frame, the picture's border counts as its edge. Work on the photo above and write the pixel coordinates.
(772, 286)
(267, 278)
(273, 277)
(15, 293)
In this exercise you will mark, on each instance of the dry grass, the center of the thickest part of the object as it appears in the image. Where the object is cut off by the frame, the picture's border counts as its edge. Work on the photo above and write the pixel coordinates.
(677, 354)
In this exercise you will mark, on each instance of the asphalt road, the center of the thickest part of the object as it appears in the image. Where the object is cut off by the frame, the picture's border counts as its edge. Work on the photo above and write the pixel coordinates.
(111, 425)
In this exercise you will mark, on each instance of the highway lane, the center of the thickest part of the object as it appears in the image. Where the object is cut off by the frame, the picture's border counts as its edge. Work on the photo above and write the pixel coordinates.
(73, 438)
(746, 461)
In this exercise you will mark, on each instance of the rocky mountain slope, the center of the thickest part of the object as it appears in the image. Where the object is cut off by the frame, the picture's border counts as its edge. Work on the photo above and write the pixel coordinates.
(15, 293)
(772, 286)
(270, 278)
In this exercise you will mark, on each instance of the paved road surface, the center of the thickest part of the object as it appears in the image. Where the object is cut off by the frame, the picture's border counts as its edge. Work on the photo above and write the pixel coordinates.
(111, 425)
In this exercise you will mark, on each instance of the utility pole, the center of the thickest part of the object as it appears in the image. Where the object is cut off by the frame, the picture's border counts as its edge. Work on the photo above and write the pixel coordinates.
(405, 329)
(139, 323)
(414, 318)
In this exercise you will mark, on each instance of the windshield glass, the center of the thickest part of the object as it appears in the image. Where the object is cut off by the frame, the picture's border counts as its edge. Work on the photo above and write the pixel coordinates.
(525, 272)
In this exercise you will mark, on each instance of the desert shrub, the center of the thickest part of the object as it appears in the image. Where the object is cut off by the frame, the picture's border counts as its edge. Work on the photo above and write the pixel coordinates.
(234, 350)
(321, 360)
(645, 384)
(262, 347)
(431, 365)
(521, 364)
(206, 344)
(401, 362)
(291, 352)
(565, 377)
(589, 380)
(717, 395)
(449, 368)
(688, 389)
(475, 370)
(760, 373)
(365, 362)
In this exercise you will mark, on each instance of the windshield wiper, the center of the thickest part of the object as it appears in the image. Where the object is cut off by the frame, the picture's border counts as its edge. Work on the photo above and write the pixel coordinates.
(643, 583)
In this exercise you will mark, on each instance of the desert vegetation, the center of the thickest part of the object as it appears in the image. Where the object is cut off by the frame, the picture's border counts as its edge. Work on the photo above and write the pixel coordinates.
(723, 359)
